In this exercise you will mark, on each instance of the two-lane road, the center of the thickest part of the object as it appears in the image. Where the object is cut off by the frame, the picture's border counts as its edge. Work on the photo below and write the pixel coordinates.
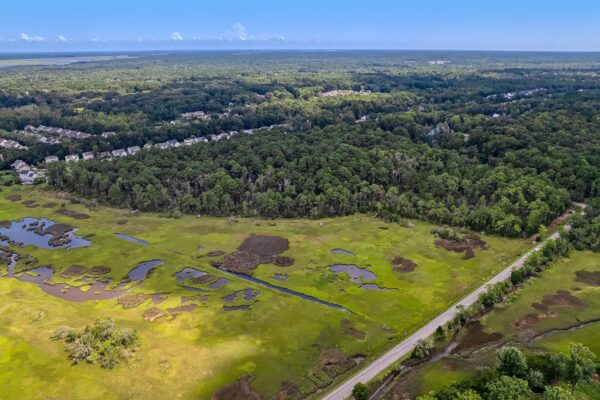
(344, 391)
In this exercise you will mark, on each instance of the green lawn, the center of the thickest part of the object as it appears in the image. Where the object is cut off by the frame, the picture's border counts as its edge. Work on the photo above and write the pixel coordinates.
(279, 339)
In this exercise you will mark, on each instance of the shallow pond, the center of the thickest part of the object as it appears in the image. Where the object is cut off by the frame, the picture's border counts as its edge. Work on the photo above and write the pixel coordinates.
(249, 294)
(357, 275)
(140, 272)
(342, 251)
(284, 290)
(236, 308)
(189, 273)
(375, 287)
(200, 248)
(38, 232)
(281, 277)
(219, 283)
(95, 290)
(131, 239)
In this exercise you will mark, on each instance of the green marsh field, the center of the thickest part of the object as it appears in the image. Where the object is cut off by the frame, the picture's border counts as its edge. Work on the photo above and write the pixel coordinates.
(211, 329)
(550, 312)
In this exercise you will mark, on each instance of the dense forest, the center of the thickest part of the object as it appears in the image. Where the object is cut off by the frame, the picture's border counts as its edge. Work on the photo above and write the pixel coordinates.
(497, 142)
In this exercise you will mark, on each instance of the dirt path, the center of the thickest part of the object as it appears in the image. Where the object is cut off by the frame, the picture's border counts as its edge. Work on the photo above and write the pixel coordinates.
(344, 390)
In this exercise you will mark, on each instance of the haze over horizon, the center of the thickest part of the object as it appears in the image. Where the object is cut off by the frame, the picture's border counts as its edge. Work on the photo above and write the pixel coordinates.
(111, 25)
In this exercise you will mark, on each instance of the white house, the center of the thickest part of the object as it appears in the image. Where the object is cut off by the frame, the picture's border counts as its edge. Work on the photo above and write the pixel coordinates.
(132, 150)
(50, 159)
(72, 158)
(119, 153)
(88, 155)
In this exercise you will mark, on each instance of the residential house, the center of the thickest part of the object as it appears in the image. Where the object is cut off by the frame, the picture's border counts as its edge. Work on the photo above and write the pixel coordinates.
(88, 155)
(72, 158)
(119, 153)
(51, 159)
(148, 146)
(28, 178)
(106, 135)
(132, 150)
(20, 166)
(105, 155)
(173, 143)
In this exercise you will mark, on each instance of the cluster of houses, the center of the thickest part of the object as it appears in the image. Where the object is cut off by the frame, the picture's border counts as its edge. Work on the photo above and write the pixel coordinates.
(52, 135)
(27, 174)
(11, 144)
(332, 93)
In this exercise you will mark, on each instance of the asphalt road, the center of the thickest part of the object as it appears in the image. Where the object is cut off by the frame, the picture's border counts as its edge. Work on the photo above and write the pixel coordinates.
(344, 391)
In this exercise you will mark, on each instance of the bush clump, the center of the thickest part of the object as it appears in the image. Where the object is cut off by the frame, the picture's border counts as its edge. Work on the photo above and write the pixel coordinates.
(100, 343)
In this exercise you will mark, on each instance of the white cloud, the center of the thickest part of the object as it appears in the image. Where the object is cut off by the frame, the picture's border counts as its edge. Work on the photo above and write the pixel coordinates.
(96, 40)
(61, 38)
(176, 36)
(25, 37)
(239, 31)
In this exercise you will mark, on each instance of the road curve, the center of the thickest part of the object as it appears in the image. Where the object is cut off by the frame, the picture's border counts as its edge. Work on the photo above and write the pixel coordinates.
(344, 391)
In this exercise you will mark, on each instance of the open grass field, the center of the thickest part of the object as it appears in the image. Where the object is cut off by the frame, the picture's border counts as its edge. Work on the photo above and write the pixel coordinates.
(282, 340)
(560, 307)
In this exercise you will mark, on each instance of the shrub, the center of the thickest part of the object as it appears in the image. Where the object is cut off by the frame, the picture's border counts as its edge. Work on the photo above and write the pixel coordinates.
(102, 342)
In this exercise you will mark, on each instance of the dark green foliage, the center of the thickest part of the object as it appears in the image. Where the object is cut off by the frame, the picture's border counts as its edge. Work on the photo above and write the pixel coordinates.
(422, 349)
(512, 362)
(430, 147)
(102, 342)
(508, 388)
(360, 392)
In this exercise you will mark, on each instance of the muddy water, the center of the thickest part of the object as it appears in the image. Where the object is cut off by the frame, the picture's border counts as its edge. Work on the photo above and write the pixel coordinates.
(342, 251)
(285, 290)
(140, 272)
(131, 239)
(189, 273)
(21, 231)
(357, 275)
(200, 248)
(236, 308)
(375, 287)
(219, 283)
(96, 290)
(281, 277)
(249, 295)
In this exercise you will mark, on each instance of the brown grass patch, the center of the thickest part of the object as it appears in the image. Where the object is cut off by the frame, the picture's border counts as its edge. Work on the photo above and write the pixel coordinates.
(14, 197)
(283, 261)
(533, 318)
(122, 222)
(49, 205)
(240, 261)
(469, 254)
(264, 245)
(215, 253)
(476, 337)
(72, 214)
(560, 298)
(403, 265)
(256, 249)
(30, 203)
(153, 314)
(74, 270)
(470, 242)
(349, 330)
(589, 278)
(132, 300)
(239, 390)
(99, 270)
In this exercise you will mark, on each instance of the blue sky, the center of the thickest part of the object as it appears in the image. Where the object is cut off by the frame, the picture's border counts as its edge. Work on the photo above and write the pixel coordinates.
(57, 25)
